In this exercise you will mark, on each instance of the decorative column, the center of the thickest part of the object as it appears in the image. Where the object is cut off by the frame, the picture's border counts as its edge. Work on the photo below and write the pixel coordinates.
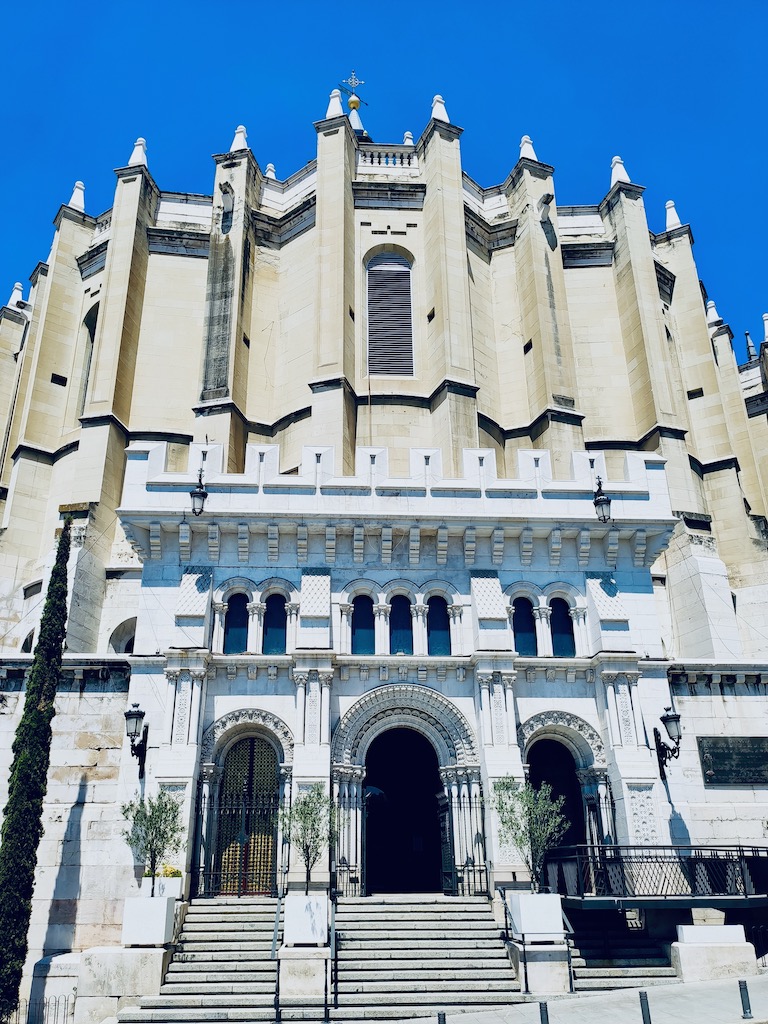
(609, 681)
(198, 679)
(419, 617)
(356, 827)
(300, 679)
(381, 627)
(219, 611)
(171, 676)
(255, 626)
(508, 679)
(498, 711)
(484, 680)
(210, 774)
(345, 629)
(579, 619)
(541, 616)
(292, 613)
(454, 616)
(625, 710)
(325, 679)
(633, 679)
(286, 778)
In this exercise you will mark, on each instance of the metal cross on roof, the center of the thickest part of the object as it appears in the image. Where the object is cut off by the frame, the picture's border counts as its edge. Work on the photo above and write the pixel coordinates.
(353, 81)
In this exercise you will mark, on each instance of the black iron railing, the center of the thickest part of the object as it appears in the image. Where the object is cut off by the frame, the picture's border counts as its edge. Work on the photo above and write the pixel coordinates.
(657, 871)
(55, 1010)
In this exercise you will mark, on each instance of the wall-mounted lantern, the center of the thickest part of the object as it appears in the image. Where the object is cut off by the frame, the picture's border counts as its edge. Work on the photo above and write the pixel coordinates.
(134, 719)
(198, 495)
(671, 721)
(602, 503)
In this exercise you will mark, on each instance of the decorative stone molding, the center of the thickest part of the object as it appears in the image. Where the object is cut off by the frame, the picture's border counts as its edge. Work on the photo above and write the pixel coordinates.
(408, 706)
(563, 722)
(240, 720)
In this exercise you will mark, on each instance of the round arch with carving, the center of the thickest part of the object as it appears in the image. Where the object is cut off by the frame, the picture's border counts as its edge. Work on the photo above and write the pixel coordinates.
(405, 705)
(579, 737)
(235, 725)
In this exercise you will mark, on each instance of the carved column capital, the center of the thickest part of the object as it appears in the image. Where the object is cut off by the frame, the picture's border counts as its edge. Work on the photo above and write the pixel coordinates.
(220, 607)
(346, 609)
(542, 612)
(418, 611)
(454, 611)
(381, 611)
(256, 608)
(291, 609)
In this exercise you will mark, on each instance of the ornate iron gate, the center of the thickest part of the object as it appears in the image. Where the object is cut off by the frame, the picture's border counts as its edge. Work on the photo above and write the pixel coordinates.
(237, 825)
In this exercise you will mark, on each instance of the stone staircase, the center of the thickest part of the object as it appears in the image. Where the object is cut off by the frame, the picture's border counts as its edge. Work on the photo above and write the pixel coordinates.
(414, 955)
(221, 969)
(609, 954)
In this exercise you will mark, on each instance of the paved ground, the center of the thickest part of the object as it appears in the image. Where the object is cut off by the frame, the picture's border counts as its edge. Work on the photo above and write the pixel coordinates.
(710, 1002)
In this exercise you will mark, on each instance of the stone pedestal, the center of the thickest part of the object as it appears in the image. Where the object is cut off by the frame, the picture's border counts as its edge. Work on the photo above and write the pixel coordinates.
(303, 972)
(148, 922)
(111, 977)
(541, 969)
(537, 946)
(707, 952)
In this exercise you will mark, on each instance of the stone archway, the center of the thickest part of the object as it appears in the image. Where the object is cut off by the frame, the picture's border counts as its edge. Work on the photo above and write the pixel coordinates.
(437, 720)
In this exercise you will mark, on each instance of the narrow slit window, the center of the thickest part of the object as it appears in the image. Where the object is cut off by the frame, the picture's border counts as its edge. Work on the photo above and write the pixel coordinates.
(390, 326)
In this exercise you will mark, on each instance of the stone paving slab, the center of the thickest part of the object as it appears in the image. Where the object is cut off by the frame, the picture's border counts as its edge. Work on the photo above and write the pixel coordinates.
(711, 1002)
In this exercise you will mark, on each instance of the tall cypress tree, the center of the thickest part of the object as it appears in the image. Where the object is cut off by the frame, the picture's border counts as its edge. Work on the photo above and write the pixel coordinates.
(22, 821)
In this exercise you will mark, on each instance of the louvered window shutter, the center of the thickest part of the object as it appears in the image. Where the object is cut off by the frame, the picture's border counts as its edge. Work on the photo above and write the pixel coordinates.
(390, 331)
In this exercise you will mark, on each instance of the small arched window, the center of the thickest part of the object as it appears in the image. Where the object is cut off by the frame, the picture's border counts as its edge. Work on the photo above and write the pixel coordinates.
(236, 625)
(524, 628)
(363, 629)
(438, 627)
(122, 639)
(561, 623)
(390, 326)
(400, 626)
(26, 647)
(275, 625)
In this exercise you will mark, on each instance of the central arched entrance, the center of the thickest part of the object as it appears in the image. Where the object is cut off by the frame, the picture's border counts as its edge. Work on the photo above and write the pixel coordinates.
(401, 830)
(552, 762)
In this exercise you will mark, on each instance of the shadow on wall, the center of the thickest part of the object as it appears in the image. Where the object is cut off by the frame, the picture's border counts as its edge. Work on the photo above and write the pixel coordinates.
(62, 913)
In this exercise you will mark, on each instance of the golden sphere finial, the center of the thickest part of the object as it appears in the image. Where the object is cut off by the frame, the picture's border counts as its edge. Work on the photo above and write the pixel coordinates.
(354, 102)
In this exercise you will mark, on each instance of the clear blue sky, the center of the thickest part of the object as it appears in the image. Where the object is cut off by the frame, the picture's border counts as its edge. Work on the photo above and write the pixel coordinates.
(676, 87)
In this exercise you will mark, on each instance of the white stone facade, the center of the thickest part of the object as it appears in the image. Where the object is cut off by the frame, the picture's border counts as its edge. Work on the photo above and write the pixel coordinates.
(227, 335)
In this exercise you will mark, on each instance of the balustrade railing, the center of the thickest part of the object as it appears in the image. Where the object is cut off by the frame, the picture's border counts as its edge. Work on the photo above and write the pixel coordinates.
(657, 871)
(384, 158)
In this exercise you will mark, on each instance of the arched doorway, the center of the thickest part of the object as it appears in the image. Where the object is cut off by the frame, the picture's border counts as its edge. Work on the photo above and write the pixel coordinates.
(552, 762)
(247, 820)
(401, 833)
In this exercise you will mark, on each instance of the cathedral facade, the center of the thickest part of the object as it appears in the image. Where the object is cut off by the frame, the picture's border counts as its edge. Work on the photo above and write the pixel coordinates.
(387, 480)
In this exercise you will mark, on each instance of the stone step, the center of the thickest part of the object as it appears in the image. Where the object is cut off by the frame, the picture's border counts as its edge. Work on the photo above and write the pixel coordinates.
(422, 914)
(393, 969)
(411, 954)
(621, 962)
(196, 1001)
(442, 989)
(433, 940)
(219, 988)
(482, 927)
(188, 1015)
(583, 973)
(221, 925)
(398, 934)
(603, 984)
(376, 1013)
(203, 945)
(233, 961)
(436, 997)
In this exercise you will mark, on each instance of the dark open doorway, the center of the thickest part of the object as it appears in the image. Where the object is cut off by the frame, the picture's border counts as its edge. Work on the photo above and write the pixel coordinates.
(553, 762)
(402, 830)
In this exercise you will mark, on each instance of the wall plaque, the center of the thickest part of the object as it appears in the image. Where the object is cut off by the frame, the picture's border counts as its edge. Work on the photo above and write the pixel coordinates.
(734, 761)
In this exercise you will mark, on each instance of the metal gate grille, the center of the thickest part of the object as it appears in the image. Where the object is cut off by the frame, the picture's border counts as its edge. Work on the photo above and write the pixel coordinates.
(240, 826)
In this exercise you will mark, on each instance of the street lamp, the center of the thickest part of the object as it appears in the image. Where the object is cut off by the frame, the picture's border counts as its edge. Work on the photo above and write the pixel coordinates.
(134, 718)
(602, 503)
(665, 753)
(198, 495)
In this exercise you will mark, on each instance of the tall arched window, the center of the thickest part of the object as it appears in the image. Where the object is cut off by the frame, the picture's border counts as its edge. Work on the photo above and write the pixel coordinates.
(236, 625)
(524, 627)
(400, 626)
(275, 625)
(561, 623)
(89, 325)
(438, 627)
(363, 629)
(390, 327)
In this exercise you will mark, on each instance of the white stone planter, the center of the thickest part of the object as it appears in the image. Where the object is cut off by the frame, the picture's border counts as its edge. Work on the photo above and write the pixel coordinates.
(148, 922)
(163, 887)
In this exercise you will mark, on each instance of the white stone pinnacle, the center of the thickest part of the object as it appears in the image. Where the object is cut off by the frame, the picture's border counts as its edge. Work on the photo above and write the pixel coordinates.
(765, 328)
(17, 296)
(673, 221)
(334, 104)
(270, 171)
(408, 139)
(439, 113)
(240, 140)
(618, 171)
(139, 154)
(751, 350)
(527, 152)
(77, 202)
(713, 317)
